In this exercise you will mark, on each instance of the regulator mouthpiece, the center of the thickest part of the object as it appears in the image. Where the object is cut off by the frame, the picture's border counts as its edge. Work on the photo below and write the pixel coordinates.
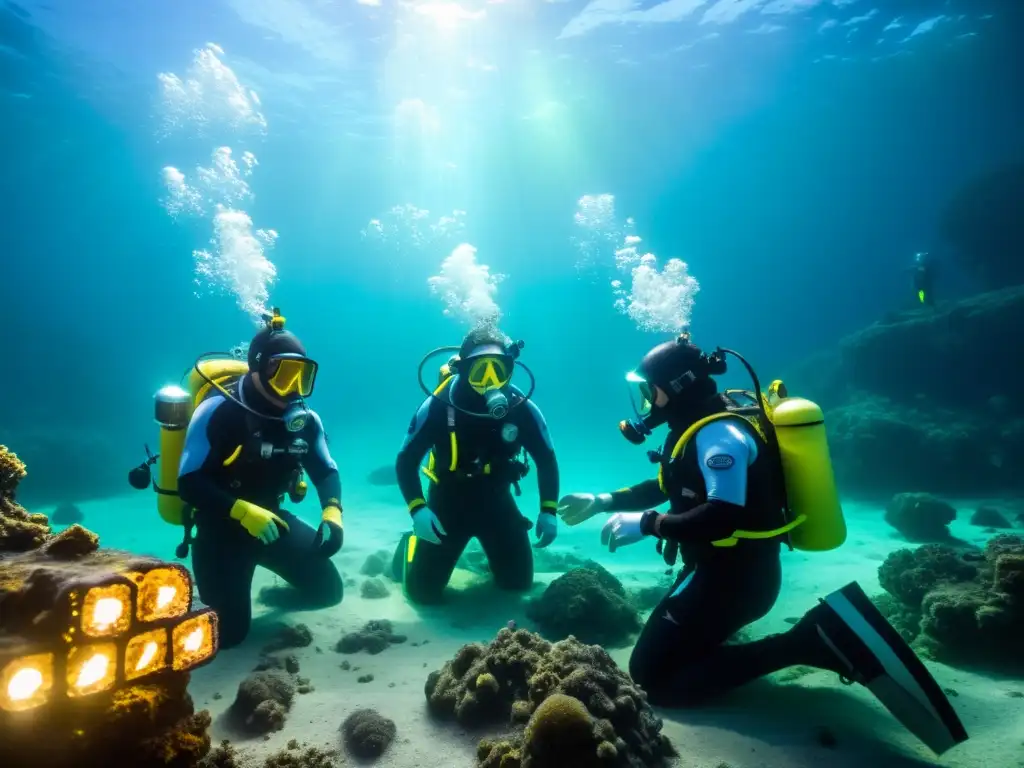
(634, 430)
(497, 404)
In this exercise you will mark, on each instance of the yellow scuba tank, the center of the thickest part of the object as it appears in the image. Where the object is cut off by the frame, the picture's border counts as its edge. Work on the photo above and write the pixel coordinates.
(173, 410)
(811, 491)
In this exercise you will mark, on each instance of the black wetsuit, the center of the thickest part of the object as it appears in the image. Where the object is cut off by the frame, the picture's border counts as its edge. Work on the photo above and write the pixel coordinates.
(924, 281)
(474, 500)
(224, 555)
(725, 481)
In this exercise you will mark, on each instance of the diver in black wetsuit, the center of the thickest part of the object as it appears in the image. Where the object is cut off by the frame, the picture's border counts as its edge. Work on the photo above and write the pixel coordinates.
(475, 426)
(923, 272)
(727, 518)
(243, 449)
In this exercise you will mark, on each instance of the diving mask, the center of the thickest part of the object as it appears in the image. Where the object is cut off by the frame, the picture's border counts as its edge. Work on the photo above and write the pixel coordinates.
(290, 375)
(487, 373)
(641, 398)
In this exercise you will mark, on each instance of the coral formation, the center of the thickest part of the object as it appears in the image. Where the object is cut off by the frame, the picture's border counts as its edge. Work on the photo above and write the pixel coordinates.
(263, 701)
(66, 513)
(961, 606)
(920, 517)
(374, 637)
(509, 681)
(368, 733)
(295, 756)
(289, 636)
(928, 423)
(588, 603)
(150, 724)
(374, 589)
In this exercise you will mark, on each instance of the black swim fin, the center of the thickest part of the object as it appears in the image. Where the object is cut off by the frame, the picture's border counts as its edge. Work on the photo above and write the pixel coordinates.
(879, 659)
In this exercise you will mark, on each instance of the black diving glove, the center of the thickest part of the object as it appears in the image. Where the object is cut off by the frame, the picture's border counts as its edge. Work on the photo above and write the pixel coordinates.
(331, 533)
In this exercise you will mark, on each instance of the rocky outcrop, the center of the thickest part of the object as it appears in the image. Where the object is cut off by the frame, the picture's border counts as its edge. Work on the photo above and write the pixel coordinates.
(926, 400)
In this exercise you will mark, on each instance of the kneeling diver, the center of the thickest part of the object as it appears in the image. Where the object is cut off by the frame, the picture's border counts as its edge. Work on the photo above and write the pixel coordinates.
(475, 425)
(741, 480)
(248, 440)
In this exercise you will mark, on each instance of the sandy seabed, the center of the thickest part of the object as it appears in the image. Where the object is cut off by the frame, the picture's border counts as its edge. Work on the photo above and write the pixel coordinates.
(774, 723)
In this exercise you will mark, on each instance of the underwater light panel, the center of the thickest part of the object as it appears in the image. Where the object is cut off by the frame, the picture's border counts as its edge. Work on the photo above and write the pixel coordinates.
(145, 654)
(195, 640)
(164, 593)
(107, 610)
(91, 669)
(26, 683)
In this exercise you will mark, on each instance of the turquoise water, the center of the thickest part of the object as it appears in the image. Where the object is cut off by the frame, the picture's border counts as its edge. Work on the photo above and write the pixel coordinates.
(595, 177)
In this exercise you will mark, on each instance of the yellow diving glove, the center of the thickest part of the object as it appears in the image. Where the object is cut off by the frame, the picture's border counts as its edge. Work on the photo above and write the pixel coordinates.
(261, 523)
(331, 533)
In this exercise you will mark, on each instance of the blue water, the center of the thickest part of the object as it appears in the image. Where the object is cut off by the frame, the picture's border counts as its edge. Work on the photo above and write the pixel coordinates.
(793, 153)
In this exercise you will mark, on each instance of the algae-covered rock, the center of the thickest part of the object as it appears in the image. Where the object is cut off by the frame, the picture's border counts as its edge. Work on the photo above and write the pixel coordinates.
(368, 733)
(588, 603)
(920, 517)
(509, 680)
(966, 607)
(374, 637)
(263, 700)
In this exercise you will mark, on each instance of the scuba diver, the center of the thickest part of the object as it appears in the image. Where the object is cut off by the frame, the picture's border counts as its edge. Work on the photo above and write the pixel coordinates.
(745, 474)
(476, 426)
(923, 272)
(244, 436)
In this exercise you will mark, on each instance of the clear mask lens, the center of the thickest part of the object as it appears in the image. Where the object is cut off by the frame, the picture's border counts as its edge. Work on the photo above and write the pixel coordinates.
(640, 395)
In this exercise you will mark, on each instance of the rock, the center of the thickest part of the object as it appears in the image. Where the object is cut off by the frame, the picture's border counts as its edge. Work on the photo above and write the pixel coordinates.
(374, 589)
(374, 637)
(368, 734)
(262, 702)
(383, 476)
(289, 636)
(588, 603)
(563, 691)
(375, 564)
(989, 517)
(66, 513)
(920, 517)
(289, 663)
(893, 426)
(959, 607)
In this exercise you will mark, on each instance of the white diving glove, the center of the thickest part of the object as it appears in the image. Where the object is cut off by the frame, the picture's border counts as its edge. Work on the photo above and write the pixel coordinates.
(622, 529)
(547, 530)
(426, 526)
(576, 508)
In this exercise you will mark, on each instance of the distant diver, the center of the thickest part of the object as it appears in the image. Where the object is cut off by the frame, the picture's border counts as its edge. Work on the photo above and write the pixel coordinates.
(745, 472)
(232, 447)
(923, 274)
(480, 432)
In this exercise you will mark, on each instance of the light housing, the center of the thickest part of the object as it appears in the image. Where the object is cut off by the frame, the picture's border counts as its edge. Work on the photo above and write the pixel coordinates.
(194, 641)
(113, 628)
(145, 654)
(26, 682)
(165, 592)
(91, 669)
(106, 610)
